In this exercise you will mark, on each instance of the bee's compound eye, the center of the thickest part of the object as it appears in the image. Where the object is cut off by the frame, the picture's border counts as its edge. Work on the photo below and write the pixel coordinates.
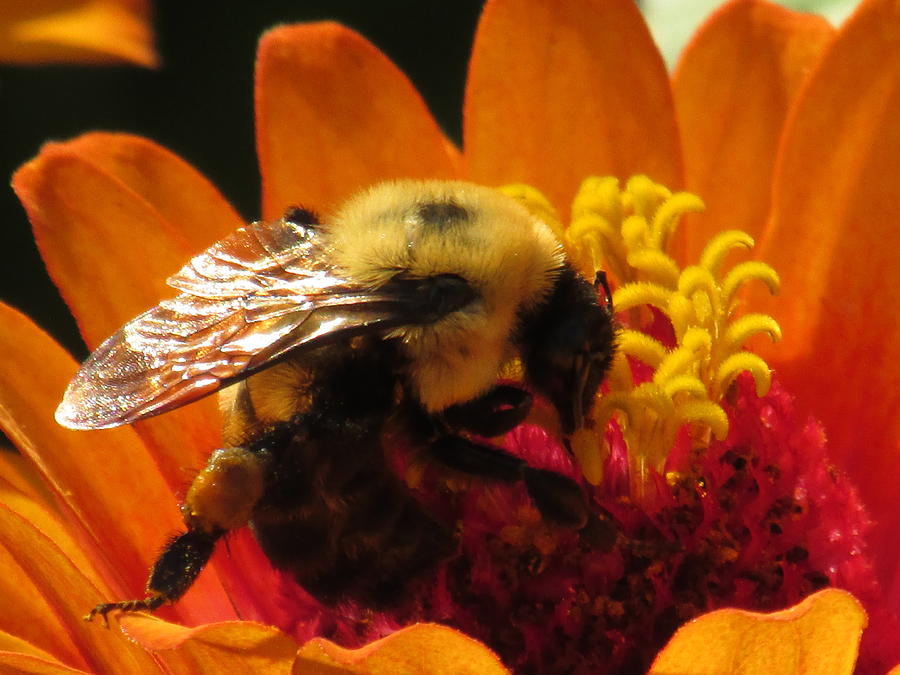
(450, 292)
(429, 299)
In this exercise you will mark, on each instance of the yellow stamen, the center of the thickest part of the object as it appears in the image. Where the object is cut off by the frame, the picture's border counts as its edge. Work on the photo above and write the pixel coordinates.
(749, 271)
(720, 245)
(626, 233)
(740, 362)
(641, 346)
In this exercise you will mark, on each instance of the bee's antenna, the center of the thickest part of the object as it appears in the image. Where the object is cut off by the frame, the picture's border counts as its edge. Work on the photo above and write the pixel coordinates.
(601, 282)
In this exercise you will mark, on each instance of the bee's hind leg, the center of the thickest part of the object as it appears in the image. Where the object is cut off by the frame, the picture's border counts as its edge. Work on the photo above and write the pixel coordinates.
(173, 573)
(221, 498)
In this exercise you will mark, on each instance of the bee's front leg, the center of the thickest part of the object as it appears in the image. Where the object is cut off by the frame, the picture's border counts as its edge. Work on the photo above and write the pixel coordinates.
(220, 499)
(501, 409)
(559, 498)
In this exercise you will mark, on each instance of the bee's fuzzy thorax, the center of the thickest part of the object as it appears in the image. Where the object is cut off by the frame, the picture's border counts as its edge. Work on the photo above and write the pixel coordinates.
(420, 229)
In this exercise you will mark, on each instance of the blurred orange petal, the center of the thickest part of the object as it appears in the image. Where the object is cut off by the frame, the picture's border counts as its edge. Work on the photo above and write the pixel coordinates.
(26, 614)
(77, 31)
(14, 643)
(421, 649)
(30, 664)
(19, 477)
(558, 91)
(334, 115)
(65, 591)
(233, 647)
(114, 216)
(47, 520)
(733, 86)
(184, 197)
(834, 238)
(820, 635)
(115, 501)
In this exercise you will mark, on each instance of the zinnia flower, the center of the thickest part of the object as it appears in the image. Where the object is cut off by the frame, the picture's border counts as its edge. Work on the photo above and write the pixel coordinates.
(764, 119)
(83, 31)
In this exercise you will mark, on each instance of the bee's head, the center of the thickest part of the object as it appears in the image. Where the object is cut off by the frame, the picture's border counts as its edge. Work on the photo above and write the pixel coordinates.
(567, 347)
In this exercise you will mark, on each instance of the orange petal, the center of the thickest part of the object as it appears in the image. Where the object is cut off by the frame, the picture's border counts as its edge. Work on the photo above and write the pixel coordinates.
(47, 520)
(733, 86)
(333, 115)
(834, 238)
(115, 501)
(65, 590)
(84, 31)
(21, 656)
(423, 648)
(558, 91)
(114, 216)
(819, 635)
(27, 615)
(248, 577)
(233, 646)
(184, 197)
(13, 643)
(15, 662)
(18, 476)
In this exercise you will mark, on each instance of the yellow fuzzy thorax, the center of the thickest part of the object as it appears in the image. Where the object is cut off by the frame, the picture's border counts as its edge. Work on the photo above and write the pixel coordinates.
(626, 232)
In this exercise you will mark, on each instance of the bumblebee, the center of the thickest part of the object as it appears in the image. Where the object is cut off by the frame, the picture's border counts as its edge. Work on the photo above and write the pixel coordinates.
(401, 310)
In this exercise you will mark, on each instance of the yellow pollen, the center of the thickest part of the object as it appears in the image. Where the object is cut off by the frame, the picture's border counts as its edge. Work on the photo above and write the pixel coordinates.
(626, 232)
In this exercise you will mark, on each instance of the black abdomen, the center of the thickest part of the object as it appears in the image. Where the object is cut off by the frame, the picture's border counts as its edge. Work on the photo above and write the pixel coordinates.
(334, 514)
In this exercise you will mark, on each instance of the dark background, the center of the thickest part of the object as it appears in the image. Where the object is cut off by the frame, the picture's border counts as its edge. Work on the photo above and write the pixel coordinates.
(200, 105)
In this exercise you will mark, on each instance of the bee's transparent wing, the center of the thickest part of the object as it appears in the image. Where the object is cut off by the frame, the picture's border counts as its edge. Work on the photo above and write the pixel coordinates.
(266, 289)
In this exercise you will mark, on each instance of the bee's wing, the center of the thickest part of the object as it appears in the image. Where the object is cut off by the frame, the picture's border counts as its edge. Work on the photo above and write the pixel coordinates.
(264, 290)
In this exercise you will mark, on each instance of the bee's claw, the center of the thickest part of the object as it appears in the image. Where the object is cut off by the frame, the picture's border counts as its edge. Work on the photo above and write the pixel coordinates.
(148, 604)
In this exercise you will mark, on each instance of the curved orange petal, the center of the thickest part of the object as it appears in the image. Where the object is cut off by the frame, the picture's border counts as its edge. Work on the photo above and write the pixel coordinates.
(15, 644)
(47, 520)
(834, 238)
(18, 476)
(114, 216)
(233, 646)
(29, 664)
(424, 648)
(333, 114)
(22, 656)
(184, 197)
(558, 91)
(113, 497)
(248, 577)
(820, 635)
(28, 616)
(67, 591)
(83, 31)
(733, 86)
